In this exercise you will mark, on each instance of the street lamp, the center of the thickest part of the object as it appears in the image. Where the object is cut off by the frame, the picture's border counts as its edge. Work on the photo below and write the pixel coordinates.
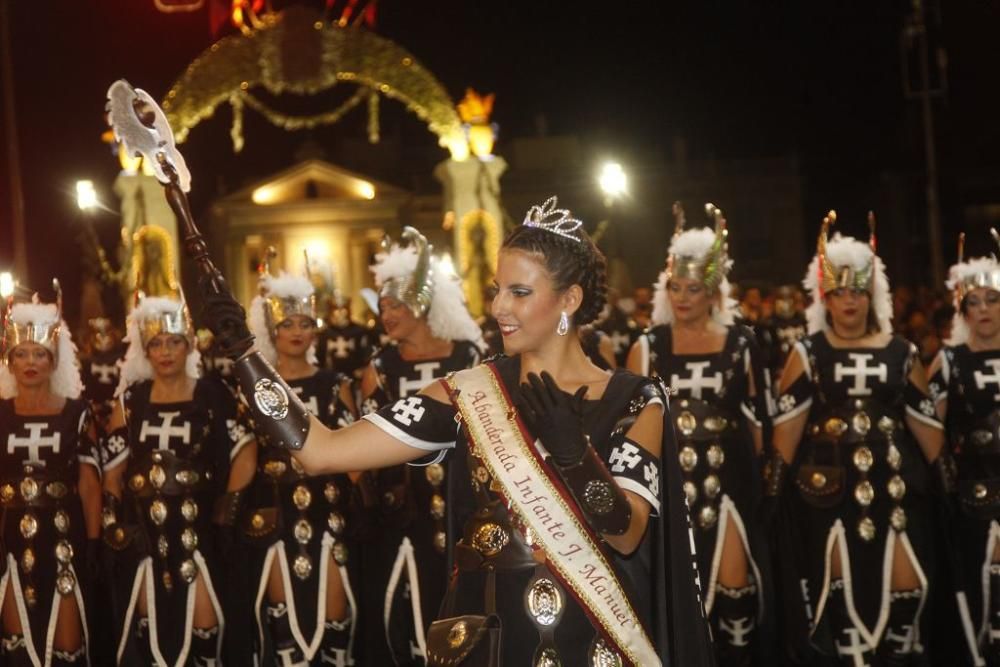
(613, 181)
(86, 196)
(6, 285)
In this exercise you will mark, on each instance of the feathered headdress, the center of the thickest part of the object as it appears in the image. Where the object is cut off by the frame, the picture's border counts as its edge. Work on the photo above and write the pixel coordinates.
(163, 311)
(966, 276)
(409, 274)
(702, 255)
(845, 262)
(280, 297)
(41, 323)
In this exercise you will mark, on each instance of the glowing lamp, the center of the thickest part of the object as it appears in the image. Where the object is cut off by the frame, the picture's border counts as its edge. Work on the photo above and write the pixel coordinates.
(6, 284)
(612, 180)
(86, 196)
(366, 190)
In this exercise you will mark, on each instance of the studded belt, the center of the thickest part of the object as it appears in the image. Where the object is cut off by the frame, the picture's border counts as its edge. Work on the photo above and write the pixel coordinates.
(164, 473)
(698, 420)
(280, 469)
(982, 437)
(858, 421)
(35, 490)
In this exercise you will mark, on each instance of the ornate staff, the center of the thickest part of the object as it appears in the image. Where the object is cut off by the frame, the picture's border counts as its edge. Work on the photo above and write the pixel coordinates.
(142, 128)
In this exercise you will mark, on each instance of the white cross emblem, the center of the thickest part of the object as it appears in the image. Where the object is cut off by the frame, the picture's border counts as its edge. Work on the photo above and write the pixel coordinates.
(287, 655)
(790, 335)
(115, 444)
(855, 649)
(407, 411)
(106, 373)
(698, 380)
(738, 630)
(619, 340)
(982, 379)
(624, 456)
(312, 404)
(337, 659)
(369, 406)
(652, 475)
(426, 370)
(340, 346)
(236, 430)
(859, 371)
(34, 442)
(906, 640)
(786, 402)
(166, 430)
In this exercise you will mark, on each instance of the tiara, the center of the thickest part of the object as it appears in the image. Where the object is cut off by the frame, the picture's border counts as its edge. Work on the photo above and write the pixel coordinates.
(552, 219)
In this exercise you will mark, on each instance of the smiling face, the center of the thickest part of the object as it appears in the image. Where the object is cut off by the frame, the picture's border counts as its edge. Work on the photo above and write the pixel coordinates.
(527, 307)
(689, 299)
(398, 320)
(31, 365)
(294, 335)
(167, 353)
(981, 309)
(848, 308)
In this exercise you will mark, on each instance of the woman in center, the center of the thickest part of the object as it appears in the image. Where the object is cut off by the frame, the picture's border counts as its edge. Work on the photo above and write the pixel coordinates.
(560, 563)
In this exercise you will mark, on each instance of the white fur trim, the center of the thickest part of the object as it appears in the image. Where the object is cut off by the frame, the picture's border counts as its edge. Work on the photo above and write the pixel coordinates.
(65, 379)
(693, 243)
(135, 366)
(448, 316)
(285, 285)
(848, 251)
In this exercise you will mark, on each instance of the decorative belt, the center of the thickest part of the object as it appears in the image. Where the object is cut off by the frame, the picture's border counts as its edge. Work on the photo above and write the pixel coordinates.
(34, 490)
(164, 473)
(697, 420)
(859, 421)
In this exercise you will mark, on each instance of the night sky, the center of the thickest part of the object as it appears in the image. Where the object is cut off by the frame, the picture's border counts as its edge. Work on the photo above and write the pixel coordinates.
(820, 81)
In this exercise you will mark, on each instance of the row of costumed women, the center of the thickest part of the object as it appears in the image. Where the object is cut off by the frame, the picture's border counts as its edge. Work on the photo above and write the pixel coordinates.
(848, 515)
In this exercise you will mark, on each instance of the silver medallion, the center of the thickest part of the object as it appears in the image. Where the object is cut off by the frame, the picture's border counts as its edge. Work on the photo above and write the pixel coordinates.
(602, 655)
(28, 561)
(64, 552)
(331, 492)
(271, 399)
(189, 539)
(335, 521)
(893, 457)
(688, 458)
(435, 474)
(61, 521)
(687, 423)
(712, 486)
(863, 459)
(158, 512)
(545, 602)
(340, 553)
(862, 423)
(437, 507)
(302, 497)
(864, 493)
(65, 582)
(188, 570)
(897, 487)
(691, 491)
(189, 510)
(707, 516)
(303, 531)
(157, 477)
(715, 456)
(897, 519)
(302, 567)
(598, 497)
(162, 546)
(866, 529)
(29, 526)
(29, 489)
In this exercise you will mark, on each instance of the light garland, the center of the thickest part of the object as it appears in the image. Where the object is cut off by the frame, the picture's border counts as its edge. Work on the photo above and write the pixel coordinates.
(296, 51)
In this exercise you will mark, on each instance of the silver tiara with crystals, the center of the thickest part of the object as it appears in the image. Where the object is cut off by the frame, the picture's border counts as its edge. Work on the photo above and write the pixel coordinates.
(552, 219)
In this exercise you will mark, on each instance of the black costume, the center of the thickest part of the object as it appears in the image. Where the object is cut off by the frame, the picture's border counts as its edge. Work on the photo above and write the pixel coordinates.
(535, 612)
(177, 459)
(713, 412)
(345, 349)
(408, 529)
(969, 383)
(778, 335)
(43, 529)
(301, 523)
(100, 372)
(859, 483)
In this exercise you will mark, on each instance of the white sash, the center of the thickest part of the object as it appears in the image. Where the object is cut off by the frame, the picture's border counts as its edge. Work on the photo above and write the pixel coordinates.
(499, 439)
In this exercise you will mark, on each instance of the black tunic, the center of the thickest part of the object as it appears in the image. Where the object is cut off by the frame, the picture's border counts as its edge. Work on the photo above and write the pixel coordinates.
(305, 517)
(177, 465)
(42, 516)
(658, 577)
(412, 507)
(713, 412)
(858, 478)
(969, 383)
(344, 349)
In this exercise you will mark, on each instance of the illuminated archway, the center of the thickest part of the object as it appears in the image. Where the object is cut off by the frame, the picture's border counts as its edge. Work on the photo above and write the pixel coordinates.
(297, 51)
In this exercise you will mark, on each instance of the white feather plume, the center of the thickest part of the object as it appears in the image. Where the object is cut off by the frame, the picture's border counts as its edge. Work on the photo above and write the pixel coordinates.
(282, 286)
(136, 367)
(956, 275)
(65, 379)
(693, 243)
(848, 251)
(448, 316)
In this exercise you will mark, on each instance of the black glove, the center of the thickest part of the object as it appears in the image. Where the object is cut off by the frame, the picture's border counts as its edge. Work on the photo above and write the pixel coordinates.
(225, 317)
(554, 417)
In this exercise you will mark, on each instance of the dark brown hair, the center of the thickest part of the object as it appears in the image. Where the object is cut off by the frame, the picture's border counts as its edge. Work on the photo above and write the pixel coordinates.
(569, 262)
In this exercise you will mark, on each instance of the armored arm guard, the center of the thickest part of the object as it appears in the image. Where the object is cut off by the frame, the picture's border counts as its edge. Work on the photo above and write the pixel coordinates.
(278, 415)
(603, 502)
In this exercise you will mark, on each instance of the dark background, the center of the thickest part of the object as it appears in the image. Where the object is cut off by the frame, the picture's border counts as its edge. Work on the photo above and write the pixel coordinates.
(818, 82)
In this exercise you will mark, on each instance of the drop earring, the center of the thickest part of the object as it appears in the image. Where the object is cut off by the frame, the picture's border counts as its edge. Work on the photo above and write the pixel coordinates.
(563, 327)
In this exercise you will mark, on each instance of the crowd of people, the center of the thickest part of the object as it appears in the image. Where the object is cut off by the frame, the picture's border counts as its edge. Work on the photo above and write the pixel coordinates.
(687, 476)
